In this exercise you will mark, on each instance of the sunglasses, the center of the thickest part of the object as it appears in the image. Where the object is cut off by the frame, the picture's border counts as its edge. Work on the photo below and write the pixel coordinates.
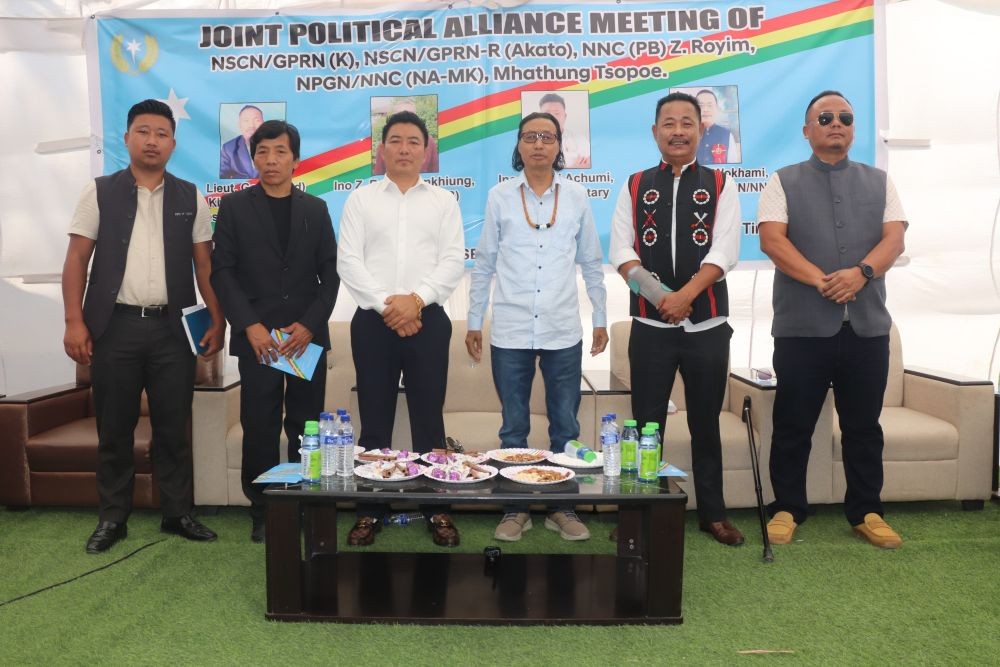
(825, 118)
(534, 137)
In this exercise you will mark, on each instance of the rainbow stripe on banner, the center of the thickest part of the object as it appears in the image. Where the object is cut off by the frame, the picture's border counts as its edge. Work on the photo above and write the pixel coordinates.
(497, 113)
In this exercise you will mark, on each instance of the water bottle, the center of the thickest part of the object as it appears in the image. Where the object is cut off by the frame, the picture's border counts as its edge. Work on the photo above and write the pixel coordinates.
(576, 449)
(312, 465)
(611, 447)
(629, 445)
(340, 417)
(659, 439)
(404, 518)
(345, 451)
(649, 462)
(327, 443)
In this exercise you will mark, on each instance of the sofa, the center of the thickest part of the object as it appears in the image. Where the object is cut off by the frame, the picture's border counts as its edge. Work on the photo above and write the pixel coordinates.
(48, 444)
(471, 413)
(938, 432)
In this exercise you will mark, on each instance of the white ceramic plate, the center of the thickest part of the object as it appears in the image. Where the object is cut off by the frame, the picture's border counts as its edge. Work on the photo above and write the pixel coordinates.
(411, 456)
(456, 458)
(358, 449)
(429, 472)
(573, 462)
(513, 472)
(368, 471)
(502, 455)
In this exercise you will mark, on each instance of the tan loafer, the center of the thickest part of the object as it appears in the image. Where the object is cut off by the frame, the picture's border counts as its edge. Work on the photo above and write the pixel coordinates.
(512, 525)
(878, 532)
(781, 528)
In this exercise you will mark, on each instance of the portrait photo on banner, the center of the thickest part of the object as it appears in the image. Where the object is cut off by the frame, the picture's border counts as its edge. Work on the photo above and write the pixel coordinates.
(720, 121)
(237, 123)
(571, 108)
(426, 107)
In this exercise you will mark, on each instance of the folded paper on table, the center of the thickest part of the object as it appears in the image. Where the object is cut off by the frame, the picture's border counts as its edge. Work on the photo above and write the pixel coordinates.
(283, 473)
(302, 367)
(196, 320)
(669, 470)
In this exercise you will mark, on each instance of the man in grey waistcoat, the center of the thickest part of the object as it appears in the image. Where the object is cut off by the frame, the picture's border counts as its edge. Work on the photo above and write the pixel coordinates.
(150, 237)
(833, 228)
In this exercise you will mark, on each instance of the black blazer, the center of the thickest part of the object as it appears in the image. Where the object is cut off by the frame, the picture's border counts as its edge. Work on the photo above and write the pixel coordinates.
(256, 283)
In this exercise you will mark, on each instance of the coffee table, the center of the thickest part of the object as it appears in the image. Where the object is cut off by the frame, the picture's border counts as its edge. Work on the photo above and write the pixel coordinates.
(309, 579)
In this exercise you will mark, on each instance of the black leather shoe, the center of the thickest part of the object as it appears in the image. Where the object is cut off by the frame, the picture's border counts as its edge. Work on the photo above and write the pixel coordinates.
(187, 527)
(105, 535)
(257, 532)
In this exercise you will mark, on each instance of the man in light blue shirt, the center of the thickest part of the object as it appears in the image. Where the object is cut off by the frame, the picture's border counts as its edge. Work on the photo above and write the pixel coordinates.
(538, 228)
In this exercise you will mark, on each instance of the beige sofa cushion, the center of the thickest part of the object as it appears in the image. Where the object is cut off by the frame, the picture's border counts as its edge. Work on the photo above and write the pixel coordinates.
(910, 436)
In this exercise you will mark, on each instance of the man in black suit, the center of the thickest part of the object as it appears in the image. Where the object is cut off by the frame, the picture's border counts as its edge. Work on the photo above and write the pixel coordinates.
(274, 267)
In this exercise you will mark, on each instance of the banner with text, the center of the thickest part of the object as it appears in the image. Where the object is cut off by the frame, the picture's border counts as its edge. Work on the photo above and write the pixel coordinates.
(472, 74)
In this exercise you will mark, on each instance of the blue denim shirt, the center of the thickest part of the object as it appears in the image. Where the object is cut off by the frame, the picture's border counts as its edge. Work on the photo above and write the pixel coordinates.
(535, 301)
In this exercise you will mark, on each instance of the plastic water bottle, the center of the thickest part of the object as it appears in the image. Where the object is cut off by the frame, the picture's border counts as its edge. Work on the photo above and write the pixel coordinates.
(312, 464)
(649, 462)
(659, 439)
(611, 447)
(345, 450)
(404, 518)
(577, 449)
(629, 447)
(328, 443)
(340, 417)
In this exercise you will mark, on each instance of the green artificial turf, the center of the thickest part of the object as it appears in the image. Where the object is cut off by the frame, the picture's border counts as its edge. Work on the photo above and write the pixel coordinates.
(829, 598)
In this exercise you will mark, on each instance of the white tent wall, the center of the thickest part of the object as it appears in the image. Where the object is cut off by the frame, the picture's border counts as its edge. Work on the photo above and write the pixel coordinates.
(943, 86)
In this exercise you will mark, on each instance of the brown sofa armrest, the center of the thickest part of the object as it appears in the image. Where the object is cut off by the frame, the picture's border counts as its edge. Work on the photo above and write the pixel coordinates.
(25, 415)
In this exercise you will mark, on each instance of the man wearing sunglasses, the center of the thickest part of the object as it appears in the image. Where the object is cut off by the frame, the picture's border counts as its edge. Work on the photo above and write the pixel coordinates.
(833, 228)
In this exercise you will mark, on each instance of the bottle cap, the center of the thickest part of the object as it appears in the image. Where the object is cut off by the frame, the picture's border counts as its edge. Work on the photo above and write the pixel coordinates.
(648, 430)
(630, 422)
(347, 418)
(325, 415)
(312, 428)
(605, 419)
(653, 425)
(612, 416)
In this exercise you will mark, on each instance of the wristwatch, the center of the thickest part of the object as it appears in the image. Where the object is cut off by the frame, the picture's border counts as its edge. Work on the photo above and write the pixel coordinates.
(867, 271)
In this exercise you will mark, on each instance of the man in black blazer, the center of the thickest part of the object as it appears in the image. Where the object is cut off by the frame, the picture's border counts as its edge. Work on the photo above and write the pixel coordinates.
(274, 267)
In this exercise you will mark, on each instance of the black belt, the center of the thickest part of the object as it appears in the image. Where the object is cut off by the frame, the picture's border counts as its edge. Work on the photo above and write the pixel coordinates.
(142, 311)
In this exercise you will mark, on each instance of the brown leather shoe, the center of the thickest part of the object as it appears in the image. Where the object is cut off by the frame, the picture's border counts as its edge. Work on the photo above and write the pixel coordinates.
(723, 532)
(363, 532)
(443, 531)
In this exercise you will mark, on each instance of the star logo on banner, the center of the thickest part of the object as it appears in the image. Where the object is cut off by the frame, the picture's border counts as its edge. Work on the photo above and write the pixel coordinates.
(133, 48)
(176, 105)
(148, 47)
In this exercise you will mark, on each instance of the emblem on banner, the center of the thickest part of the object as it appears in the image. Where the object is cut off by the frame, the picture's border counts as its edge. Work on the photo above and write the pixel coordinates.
(719, 153)
(650, 197)
(649, 237)
(134, 64)
(701, 197)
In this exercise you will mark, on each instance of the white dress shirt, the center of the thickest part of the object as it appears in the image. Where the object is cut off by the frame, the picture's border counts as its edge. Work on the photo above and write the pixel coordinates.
(145, 279)
(724, 253)
(399, 243)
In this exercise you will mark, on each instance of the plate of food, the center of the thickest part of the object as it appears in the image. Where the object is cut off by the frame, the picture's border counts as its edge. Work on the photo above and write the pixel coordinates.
(538, 475)
(519, 455)
(568, 461)
(441, 457)
(389, 471)
(386, 454)
(465, 472)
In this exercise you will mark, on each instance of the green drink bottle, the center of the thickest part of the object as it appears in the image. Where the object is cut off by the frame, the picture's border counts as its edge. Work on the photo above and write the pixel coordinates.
(649, 462)
(630, 445)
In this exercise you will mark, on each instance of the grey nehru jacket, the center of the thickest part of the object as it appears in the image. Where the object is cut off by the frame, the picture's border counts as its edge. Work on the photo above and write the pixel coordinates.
(835, 217)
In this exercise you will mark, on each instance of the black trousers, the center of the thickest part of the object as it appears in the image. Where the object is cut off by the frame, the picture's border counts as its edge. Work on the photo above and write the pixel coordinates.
(264, 391)
(380, 355)
(858, 369)
(132, 355)
(655, 354)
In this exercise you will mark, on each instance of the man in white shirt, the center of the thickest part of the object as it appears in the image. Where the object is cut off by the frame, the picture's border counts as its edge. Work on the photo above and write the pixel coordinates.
(680, 221)
(401, 255)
